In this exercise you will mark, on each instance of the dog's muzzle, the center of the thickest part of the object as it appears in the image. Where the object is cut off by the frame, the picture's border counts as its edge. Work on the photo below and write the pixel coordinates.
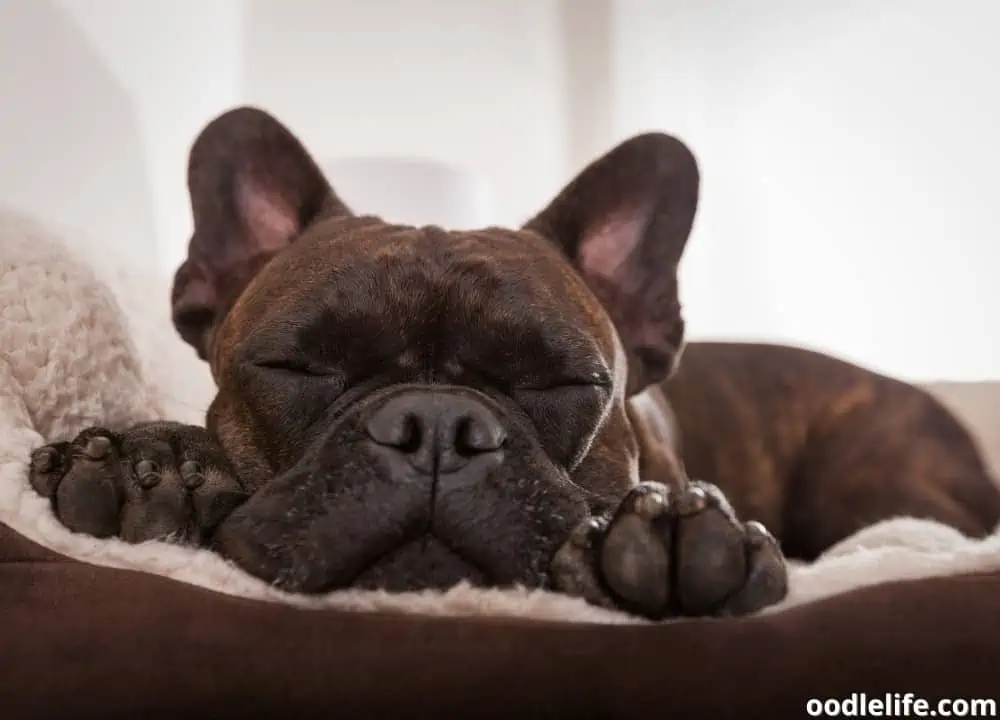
(447, 442)
(413, 487)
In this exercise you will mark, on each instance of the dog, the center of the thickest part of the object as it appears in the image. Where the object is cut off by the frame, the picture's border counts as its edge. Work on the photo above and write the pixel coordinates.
(406, 407)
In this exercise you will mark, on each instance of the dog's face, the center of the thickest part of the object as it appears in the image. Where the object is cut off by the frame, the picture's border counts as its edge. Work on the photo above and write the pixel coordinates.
(458, 398)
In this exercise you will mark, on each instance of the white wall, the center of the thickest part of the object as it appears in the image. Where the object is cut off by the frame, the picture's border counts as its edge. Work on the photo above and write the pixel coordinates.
(850, 155)
(101, 99)
(128, 85)
(477, 85)
(71, 151)
(180, 62)
(846, 147)
(413, 191)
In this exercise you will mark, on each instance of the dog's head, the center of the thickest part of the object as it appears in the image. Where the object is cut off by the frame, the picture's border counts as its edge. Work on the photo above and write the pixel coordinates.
(456, 401)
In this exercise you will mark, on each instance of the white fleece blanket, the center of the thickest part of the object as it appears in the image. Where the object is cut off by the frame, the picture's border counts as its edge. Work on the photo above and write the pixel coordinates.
(85, 343)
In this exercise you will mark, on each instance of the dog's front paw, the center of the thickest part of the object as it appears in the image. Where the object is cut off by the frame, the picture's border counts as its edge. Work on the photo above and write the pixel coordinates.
(670, 553)
(82, 479)
(155, 481)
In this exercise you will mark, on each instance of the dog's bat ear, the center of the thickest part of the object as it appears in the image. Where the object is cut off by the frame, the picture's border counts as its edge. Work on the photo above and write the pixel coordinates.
(624, 222)
(254, 188)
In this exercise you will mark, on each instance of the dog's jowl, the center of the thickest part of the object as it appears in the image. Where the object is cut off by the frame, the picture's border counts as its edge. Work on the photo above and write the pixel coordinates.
(404, 407)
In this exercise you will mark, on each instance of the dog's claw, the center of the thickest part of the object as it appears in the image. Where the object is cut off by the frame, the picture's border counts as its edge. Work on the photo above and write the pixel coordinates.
(648, 505)
(668, 553)
(148, 474)
(46, 469)
(44, 460)
(758, 536)
(192, 474)
(98, 447)
(583, 535)
(570, 569)
(693, 500)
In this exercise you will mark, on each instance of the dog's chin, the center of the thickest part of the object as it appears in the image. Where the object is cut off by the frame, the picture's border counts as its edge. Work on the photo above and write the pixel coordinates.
(422, 564)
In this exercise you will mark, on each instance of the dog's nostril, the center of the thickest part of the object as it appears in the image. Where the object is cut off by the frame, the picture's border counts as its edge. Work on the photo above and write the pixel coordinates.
(473, 436)
(411, 437)
(403, 431)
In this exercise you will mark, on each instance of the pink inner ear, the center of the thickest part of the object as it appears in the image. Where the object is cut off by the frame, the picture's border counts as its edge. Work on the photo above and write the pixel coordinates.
(270, 220)
(606, 247)
(193, 290)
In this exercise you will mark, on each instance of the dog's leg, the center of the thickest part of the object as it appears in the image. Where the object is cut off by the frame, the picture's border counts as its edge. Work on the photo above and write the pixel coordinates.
(154, 481)
(667, 552)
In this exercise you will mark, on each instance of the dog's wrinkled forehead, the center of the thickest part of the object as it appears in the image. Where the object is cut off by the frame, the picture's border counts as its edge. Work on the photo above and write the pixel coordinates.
(270, 230)
(424, 285)
(490, 270)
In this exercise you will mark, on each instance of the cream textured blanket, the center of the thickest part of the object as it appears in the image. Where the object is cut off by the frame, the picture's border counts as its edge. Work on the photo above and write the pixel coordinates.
(85, 343)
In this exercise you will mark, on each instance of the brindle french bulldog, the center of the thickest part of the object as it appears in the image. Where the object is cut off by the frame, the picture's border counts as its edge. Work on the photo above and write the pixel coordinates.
(406, 407)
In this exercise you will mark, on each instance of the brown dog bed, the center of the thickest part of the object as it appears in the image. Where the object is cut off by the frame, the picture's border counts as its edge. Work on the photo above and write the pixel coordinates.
(85, 641)
(97, 628)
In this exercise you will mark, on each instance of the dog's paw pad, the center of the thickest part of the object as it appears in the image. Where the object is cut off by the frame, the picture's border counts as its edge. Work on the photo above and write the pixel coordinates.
(711, 557)
(634, 555)
(668, 553)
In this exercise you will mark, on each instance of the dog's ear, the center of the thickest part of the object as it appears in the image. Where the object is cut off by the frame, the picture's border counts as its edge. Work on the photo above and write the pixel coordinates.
(624, 222)
(253, 189)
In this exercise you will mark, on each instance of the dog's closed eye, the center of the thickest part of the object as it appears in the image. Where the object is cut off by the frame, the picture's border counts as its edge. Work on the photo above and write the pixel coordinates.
(594, 380)
(566, 416)
(298, 366)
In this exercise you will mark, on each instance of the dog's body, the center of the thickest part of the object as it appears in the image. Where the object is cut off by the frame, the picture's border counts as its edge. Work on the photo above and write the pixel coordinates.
(817, 448)
(408, 407)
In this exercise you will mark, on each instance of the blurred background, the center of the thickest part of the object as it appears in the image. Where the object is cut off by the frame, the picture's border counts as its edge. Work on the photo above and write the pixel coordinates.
(848, 149)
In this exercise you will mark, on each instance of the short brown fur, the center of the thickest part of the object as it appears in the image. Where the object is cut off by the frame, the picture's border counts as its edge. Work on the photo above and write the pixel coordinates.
(817, 448)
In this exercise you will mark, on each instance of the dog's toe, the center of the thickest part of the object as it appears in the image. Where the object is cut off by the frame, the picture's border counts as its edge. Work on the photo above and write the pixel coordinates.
(635, 551)
(671, 552)
(711, 558)
(179, 485)
(47, 467)
(88, 496)
(766, 581)
(573, 569)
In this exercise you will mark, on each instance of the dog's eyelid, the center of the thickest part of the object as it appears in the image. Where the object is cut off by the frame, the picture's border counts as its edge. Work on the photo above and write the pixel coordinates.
(594, 378)
(297, 366)
(565, 384)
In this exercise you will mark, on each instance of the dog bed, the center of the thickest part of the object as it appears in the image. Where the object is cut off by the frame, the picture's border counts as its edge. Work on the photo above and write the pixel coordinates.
(105, 629)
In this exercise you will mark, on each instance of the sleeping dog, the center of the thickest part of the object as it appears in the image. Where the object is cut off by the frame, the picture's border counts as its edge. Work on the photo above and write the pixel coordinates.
(404, 407)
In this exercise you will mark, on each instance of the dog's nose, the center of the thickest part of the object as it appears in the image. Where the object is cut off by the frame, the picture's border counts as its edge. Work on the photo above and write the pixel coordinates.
(436, 431)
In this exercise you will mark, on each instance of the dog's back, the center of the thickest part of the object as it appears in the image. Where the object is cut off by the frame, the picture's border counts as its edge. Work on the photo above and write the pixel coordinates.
(817, 448)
